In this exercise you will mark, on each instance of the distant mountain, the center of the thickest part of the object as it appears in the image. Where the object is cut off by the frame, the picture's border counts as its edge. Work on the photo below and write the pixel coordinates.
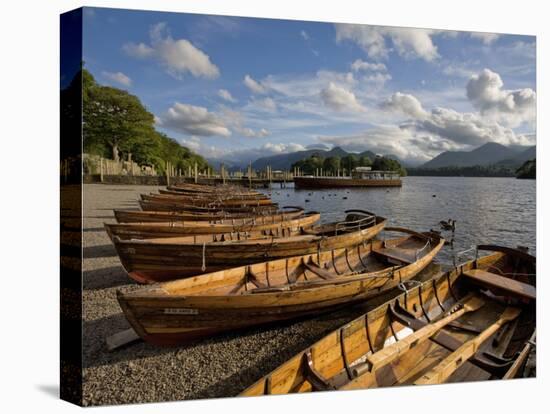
(285, 161)
(216, 163)
(488, 154)
(526, 155)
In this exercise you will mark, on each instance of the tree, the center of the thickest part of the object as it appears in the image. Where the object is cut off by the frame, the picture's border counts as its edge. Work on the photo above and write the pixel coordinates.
(331, 164)
(528, 169)
(365, 161)
(350, 162)
(388, 164)
(115, 119)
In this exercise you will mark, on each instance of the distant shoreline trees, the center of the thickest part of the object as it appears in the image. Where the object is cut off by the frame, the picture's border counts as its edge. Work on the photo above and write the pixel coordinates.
(334, 164)
(528, 169)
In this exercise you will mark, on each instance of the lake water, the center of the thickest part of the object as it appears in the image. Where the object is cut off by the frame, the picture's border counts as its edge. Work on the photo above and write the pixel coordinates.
(487, 210)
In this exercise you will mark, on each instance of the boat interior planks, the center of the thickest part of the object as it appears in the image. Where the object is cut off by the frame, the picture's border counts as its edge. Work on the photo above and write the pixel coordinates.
(446, 329)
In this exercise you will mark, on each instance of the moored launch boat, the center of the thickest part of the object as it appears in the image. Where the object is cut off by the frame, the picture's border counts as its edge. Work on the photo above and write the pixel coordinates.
(161, 259)
(468, 324)
(276, 290)
(132, 216)
(126, 231)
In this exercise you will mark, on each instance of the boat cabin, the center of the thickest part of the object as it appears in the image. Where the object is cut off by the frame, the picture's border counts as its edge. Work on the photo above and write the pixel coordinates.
(366, 173)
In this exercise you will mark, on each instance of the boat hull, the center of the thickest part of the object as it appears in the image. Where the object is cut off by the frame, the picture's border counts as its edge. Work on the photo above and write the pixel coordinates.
(159, 260)
(335, 182)
(185, 228)
(170, 319)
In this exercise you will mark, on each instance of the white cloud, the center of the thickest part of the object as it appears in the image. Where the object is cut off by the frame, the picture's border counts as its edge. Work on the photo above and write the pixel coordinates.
(193, 120)
(235, 120)
(359, 65)
(177, 56)
(226, 95)
(282, 148)
(254, 86)
(304, 35)
(465, 128)
(250, 133)
(117, 77)
(139, 50)
(242, 155)
(409, 43)
(405, 103)
(486, 38)
(378, 79)
(512, 107)
(340, 99)
(383, 140)
(267, 104)
(457, 70)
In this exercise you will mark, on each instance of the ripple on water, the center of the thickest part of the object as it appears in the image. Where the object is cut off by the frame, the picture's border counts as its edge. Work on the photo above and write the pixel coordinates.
(486, 210)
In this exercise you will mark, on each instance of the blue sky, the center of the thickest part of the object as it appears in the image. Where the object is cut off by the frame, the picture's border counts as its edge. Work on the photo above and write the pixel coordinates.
(240, 88)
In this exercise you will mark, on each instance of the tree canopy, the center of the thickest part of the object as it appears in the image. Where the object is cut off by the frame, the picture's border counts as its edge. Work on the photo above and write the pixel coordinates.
(332, 164)
(115, 123)
(527, 170)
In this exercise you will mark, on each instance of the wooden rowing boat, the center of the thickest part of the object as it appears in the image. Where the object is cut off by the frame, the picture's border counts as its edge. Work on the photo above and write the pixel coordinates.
(205, 202)
(277, 290)
(126, 231)
(225, 194)
(156, 260)
(446, 329)
(204, 189)
(131, 216)
(212, 208)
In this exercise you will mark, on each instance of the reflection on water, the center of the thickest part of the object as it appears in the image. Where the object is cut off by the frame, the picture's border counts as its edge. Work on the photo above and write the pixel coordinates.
(486, 210)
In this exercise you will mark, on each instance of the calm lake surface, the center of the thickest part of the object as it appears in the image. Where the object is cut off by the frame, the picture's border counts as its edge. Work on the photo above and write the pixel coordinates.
(487, 210)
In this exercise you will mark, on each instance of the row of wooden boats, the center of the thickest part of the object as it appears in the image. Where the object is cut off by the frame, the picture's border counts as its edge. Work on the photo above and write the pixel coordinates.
(221, 271)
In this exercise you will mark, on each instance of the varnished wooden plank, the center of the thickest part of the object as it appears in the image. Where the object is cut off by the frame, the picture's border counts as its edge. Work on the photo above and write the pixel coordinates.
(121, 339)
(508, 285)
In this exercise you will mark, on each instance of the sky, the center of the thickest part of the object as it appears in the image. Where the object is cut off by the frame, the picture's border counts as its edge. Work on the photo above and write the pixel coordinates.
(237, 89)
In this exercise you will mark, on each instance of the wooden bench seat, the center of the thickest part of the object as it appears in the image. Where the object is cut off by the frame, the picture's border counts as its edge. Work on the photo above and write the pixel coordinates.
(503, 283)
(396, 254)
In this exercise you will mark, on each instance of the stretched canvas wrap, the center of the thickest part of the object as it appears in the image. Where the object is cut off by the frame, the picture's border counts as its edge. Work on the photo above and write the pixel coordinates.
(253, 206)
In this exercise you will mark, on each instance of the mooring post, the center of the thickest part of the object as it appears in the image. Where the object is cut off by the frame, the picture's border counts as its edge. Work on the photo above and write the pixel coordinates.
(100, 169)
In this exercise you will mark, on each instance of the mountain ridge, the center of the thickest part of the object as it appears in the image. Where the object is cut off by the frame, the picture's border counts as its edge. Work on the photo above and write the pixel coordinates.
(487, 154)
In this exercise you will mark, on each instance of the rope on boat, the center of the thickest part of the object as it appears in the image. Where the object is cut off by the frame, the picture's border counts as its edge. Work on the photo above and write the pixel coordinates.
(463, 252)
(417, 252)
(512, 273)
(364, 222)
(403, 285)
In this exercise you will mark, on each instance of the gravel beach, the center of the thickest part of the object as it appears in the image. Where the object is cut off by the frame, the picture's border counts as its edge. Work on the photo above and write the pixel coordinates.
(219, 367)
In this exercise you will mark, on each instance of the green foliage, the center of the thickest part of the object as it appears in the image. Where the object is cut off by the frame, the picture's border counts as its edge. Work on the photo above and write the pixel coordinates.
(388, 164)
(351, 161)
(365, 161)
(115, 123)
(528, 169)
(332, 164)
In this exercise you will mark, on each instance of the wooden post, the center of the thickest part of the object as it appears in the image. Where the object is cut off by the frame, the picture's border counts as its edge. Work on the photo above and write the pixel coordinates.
(196, 173)
(167, 173)
(250, 176)
(101, 169)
